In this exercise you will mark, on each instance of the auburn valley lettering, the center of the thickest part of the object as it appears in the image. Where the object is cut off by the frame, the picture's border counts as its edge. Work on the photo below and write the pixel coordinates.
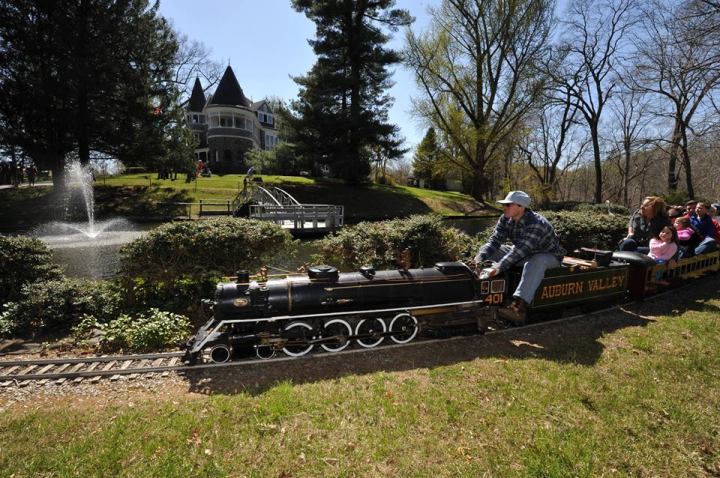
(577, 288)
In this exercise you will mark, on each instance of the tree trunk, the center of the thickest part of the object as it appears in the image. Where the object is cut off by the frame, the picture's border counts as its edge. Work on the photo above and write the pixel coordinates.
(598, 162)
(686, 162)
(672, 163)
(58, 171)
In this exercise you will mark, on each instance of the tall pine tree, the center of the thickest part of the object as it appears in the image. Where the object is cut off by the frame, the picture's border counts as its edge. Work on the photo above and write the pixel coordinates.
(426, 163)
(87, 75)
(342, 109)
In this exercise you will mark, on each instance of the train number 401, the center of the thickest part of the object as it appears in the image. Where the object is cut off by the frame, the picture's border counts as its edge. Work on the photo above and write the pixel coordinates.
(494, 299)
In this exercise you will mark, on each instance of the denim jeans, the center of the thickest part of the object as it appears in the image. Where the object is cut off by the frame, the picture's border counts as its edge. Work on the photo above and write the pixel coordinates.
(534, 268)
(707, 245)
(631, 245)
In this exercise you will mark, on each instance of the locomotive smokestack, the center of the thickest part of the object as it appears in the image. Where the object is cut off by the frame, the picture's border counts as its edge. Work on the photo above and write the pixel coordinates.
(243, 277)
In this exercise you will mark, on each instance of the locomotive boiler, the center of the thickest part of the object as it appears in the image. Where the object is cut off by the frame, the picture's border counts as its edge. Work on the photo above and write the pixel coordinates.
(330, 309)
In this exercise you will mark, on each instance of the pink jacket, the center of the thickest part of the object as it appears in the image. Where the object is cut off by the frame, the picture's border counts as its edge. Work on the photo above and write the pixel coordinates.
(685, 234)
(662, 250)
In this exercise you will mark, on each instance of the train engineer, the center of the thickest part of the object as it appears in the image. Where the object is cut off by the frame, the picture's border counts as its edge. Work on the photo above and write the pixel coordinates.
(535, 245)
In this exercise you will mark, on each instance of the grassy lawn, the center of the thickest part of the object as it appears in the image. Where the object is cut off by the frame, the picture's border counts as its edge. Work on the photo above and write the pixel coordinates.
(627, 393)
(144, 196)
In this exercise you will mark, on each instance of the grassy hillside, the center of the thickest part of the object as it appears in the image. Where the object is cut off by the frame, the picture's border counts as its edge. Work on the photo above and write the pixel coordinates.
(629, 393)
(139, 194)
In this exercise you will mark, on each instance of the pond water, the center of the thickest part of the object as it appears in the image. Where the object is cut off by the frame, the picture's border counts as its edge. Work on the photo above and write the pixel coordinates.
(93, 255)
(471, 225)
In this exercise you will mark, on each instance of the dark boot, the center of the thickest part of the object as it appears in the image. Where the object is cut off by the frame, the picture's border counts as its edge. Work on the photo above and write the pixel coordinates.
(515, 313)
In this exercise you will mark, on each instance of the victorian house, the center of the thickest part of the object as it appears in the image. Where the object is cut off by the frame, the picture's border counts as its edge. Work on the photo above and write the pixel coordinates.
(226, 125)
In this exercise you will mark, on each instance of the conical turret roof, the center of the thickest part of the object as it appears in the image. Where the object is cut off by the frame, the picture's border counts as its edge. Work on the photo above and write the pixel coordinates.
(229, 92)
(197, 99)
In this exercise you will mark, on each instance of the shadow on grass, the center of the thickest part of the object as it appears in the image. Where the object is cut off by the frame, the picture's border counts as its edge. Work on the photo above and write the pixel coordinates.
(573, 342)
(140, 202)
(23, 208)
(576, 341)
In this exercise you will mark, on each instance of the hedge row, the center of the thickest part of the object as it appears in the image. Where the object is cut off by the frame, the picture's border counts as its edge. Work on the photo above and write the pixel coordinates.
(24, 260)
(380, 243)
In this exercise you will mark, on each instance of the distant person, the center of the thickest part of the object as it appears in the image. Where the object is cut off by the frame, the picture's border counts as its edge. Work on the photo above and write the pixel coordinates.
(701, 220)
(4, 173)
(675, 212)
(250, 172)
(535, 246)
(31, 174)
(646, 222)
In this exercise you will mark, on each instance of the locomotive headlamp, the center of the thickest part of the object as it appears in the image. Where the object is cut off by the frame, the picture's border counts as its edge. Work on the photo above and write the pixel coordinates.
(240, 302)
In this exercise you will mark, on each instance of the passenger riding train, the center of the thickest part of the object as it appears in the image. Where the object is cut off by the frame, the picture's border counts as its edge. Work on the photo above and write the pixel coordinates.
(330, 311)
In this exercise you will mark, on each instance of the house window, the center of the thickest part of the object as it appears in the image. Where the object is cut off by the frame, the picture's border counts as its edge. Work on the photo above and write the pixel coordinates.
(270, 140)
(198, 138)
(264, 117)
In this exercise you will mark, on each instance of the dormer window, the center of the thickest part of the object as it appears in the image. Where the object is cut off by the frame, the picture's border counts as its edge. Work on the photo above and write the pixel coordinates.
(264, 117)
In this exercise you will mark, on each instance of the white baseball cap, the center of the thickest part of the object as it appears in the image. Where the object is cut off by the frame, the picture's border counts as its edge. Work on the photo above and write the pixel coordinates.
(517, 197)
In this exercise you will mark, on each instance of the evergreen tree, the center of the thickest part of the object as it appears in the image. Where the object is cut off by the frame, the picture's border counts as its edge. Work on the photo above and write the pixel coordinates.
(342, 107)
(426, 163)
(87, 75)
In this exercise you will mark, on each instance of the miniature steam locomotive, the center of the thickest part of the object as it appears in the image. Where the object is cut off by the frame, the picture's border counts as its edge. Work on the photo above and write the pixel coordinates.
(332, 310)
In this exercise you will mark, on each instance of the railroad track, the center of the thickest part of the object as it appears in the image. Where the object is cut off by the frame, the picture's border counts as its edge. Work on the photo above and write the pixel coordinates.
(92, 369)
(77, 370)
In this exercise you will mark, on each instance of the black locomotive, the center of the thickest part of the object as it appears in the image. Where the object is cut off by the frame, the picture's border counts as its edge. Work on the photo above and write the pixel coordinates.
(333, 310)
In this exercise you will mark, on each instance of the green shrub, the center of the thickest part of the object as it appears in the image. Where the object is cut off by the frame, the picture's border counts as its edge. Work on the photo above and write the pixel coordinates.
(56, 306)
(24, 260)
(176, 265)
(379, 243)
(603, 209)
(213, 247)
(583, 229)
(152, 330)
(181, 295)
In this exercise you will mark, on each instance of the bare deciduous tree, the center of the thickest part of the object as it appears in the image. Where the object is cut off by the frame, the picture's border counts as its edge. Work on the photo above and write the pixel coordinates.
(595, 34)
(555, 143)
(684, 71)
(477, 69)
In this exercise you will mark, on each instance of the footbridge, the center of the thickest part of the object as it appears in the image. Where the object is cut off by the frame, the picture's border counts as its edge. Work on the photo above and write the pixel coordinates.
(277, 205)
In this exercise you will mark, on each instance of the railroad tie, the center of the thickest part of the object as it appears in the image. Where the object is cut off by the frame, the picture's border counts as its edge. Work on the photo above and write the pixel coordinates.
(90, 368)
(43, 370)
(156, 363)
(61, 369)
(143, 363)
(107, 367)
(124, 366)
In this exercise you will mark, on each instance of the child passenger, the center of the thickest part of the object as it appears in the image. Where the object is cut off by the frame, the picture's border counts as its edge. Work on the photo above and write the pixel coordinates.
(663, 248)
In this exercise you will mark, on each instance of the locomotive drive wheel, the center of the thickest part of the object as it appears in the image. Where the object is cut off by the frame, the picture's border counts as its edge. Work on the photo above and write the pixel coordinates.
(369, 332)
(340, 329)
(298, 334)
(404, 328)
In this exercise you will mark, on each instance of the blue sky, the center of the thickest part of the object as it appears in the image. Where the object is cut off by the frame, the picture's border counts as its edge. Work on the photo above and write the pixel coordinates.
(266, 44)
